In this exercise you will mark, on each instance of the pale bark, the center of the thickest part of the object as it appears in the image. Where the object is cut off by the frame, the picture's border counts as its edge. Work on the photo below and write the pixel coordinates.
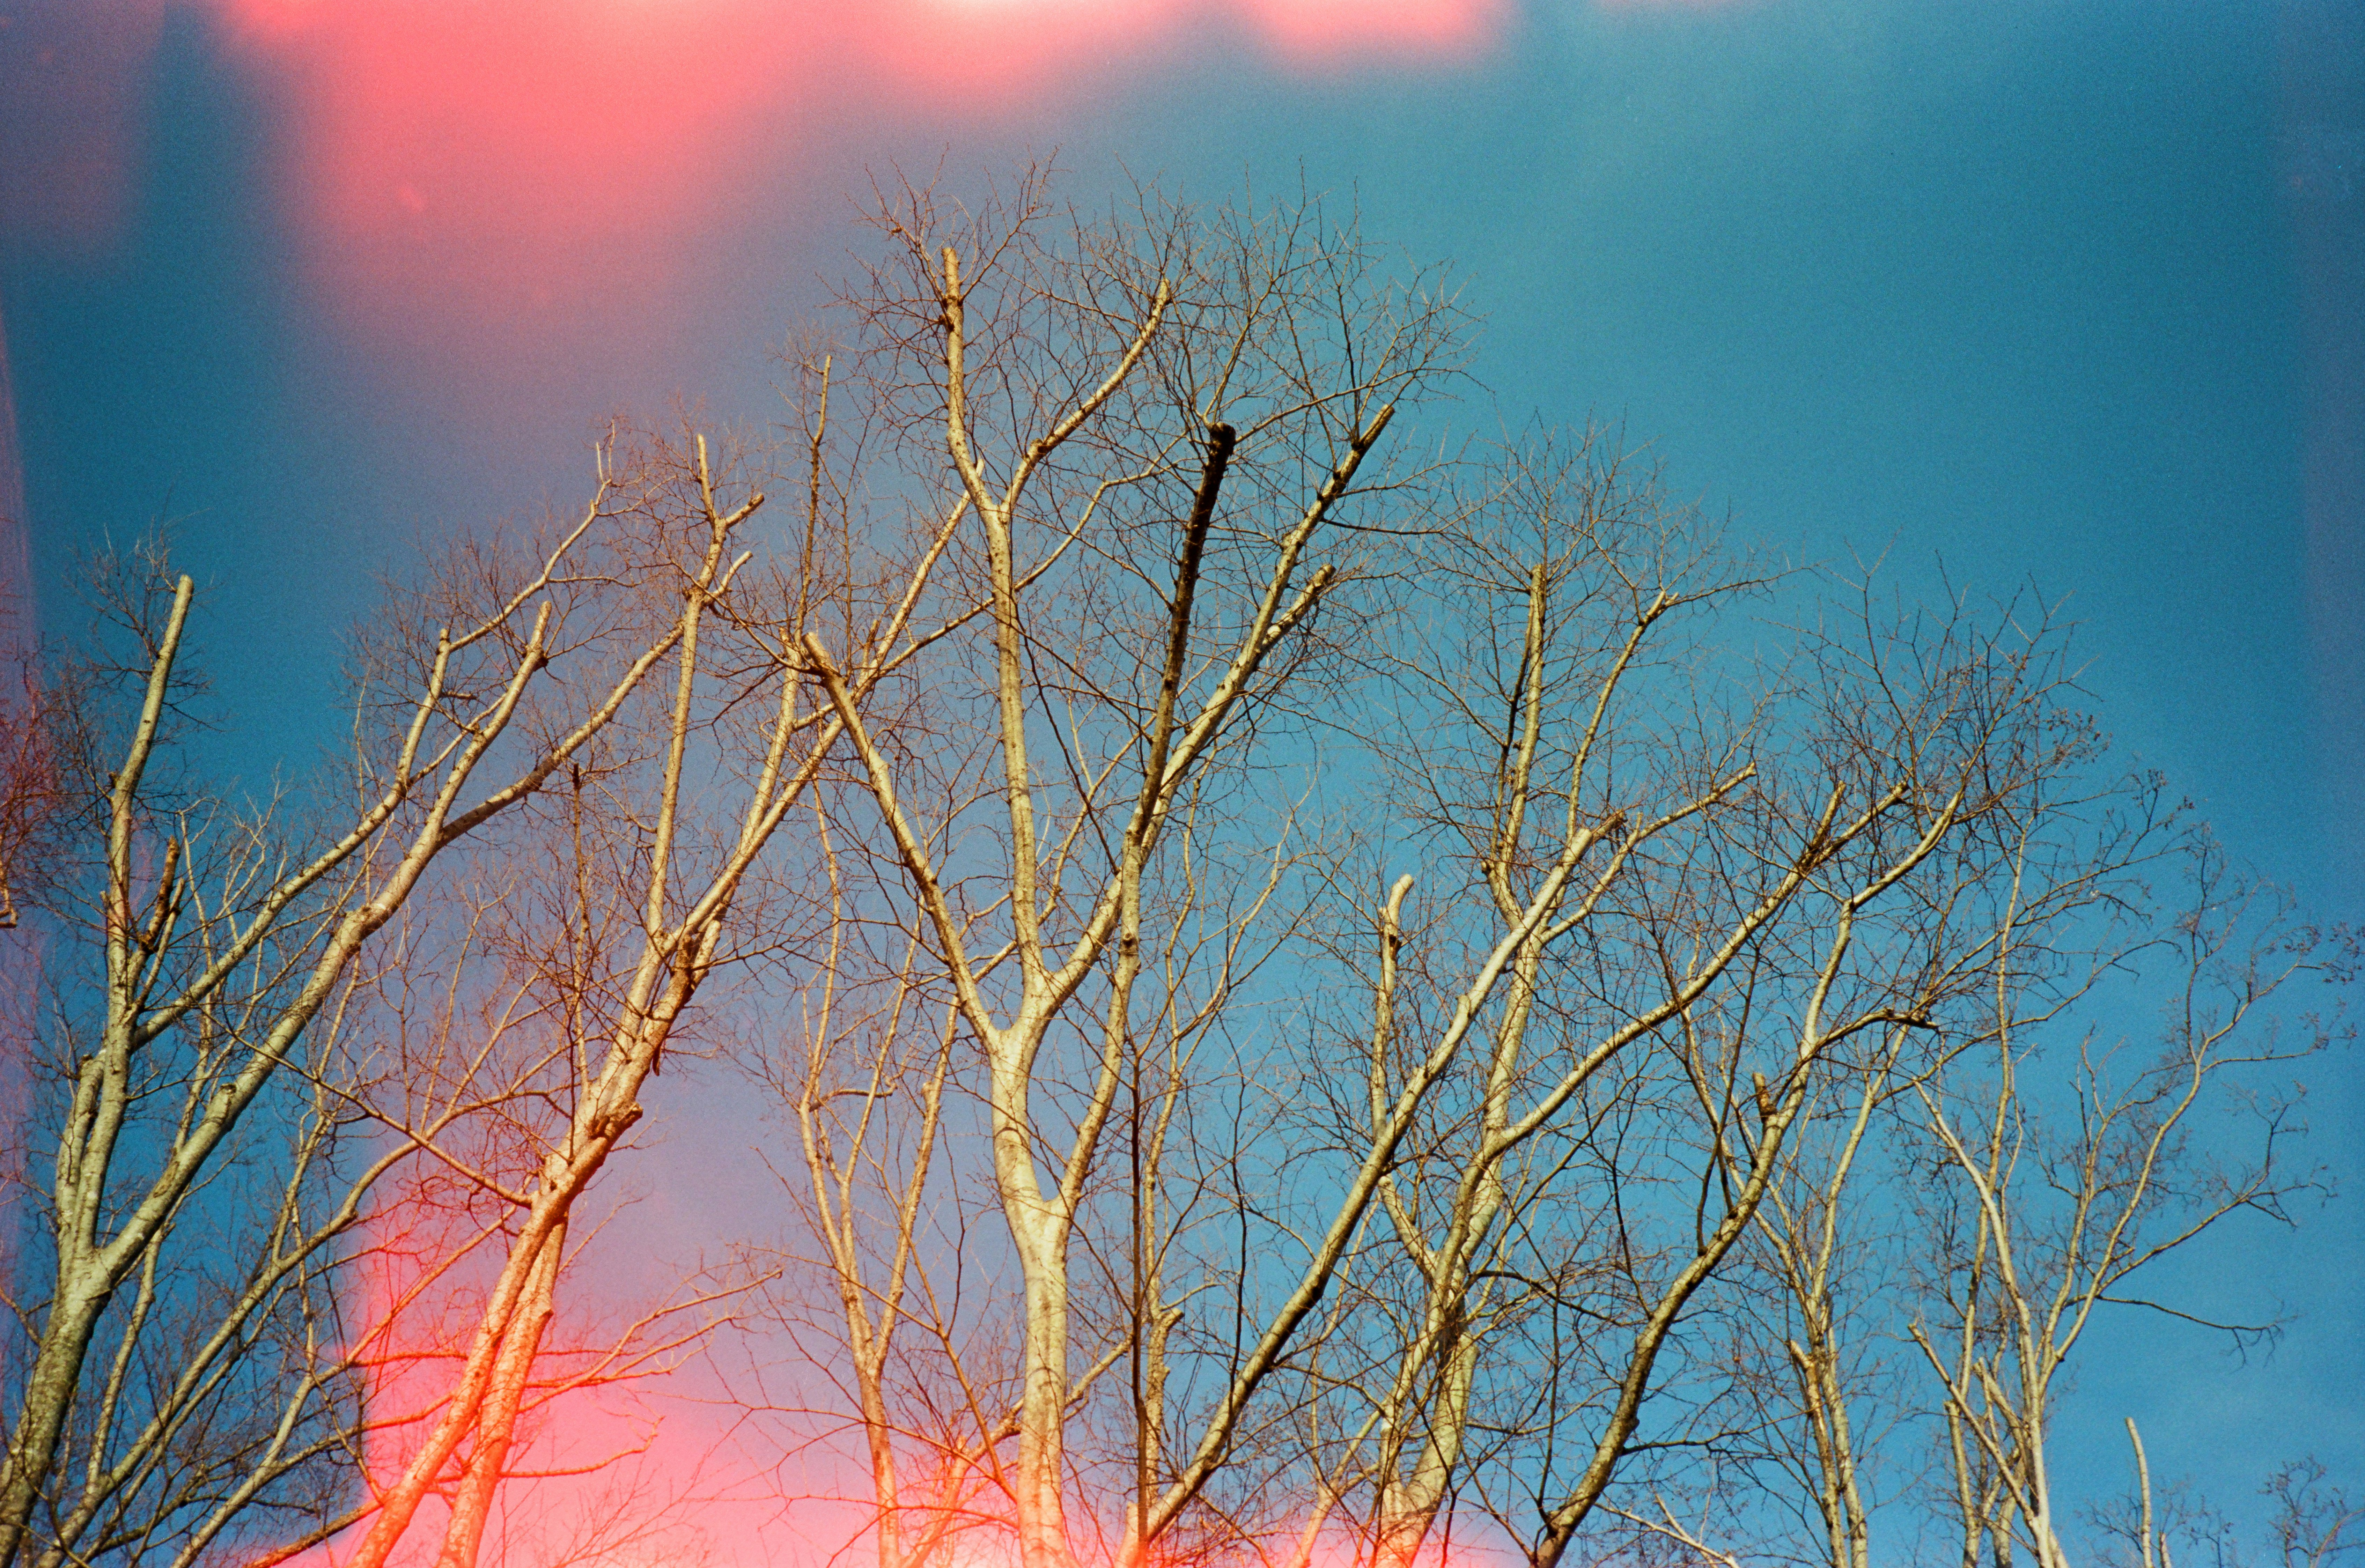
(1040, 1219)
(681, 934)
(1761, 1158)
(1447, 1234)
(1805, 1242)
(833, 1173)
(366, 874)
(497, 1426)
(2059, 1226)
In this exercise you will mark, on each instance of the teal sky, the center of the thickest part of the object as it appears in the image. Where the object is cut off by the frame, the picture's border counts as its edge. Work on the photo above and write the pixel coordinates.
(2060, 292)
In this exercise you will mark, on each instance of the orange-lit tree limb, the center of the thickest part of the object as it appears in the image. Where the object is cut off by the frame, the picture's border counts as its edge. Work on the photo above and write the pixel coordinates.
(367, 873)
(680, 935)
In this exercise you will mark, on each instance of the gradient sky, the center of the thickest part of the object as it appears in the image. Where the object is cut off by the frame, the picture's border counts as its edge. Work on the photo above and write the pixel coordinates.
(2060, 291)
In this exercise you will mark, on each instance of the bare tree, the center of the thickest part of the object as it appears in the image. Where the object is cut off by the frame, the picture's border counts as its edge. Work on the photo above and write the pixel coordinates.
(222, 939)
(1316, 992)
(2057, 895)
(2315, 1524)
(899, 1254)
(32, 805)
(1679, 903)
(1146, 431)
(404, 1051)
(2061, 1187)
(656, 845)
(1676, 895)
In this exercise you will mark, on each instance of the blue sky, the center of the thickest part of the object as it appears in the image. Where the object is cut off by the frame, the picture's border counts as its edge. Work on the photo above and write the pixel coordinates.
(2060, 292)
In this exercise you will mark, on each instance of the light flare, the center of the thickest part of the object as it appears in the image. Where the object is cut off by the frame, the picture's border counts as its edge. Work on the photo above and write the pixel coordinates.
(470, 166)
(489, 178)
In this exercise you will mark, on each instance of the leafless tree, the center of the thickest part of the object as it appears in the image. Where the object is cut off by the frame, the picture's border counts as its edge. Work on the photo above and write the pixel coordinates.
(2067, 1168)
(2057, 899)
(224, 941)
(1155, 437)
(2315, 1524)
(1319, 988)
(404, 1051)
(32, 804)
(662, 825)
(1677, 894)
(1683, 907)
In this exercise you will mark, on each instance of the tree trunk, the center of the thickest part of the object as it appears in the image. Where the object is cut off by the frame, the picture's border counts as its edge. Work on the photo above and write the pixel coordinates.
(464, 1536)
(48, 1394)
(1040, 1229)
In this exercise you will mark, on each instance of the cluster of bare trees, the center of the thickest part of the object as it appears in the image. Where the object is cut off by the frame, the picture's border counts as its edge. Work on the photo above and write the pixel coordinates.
(1323, 987)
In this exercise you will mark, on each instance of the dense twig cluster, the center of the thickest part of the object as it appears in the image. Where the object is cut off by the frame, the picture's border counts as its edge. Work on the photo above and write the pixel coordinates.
(1325, 987)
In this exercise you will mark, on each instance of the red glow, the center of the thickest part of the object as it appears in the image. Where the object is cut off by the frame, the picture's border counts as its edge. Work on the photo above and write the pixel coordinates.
(456, 165)
(1332, 30)
(480, 180)
(618, 1471)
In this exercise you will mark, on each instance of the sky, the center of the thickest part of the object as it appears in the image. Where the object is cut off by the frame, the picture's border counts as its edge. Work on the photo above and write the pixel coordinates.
(2061, 293)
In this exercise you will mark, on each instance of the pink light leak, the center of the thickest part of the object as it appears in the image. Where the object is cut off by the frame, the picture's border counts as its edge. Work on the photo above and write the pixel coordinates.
(628, 1460)
(453, 165)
